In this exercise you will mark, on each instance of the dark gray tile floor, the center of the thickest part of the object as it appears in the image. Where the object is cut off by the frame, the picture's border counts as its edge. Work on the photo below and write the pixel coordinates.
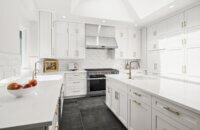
(88, 114)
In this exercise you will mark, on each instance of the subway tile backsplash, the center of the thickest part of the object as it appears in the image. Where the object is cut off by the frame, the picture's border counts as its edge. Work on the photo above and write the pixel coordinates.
(10, 65)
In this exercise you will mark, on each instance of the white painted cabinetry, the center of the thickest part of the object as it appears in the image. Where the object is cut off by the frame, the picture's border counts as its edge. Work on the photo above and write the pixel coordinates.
(75, 84)
(122, 42)
(117, 100)
(134, 44)
(129, 43)
(192, 17)
(143, 111)
(61, 43)
(45, 34)
(76, 40)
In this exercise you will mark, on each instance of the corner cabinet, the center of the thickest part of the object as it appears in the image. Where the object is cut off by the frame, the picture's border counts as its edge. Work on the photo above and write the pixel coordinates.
(139, 110)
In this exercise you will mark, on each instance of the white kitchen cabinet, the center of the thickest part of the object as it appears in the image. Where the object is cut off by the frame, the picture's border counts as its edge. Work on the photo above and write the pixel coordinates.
(162, 122)
(123, 107)
(76, 40)
(175, 23)
(61, 44)
(45, 34)
(175, 62)
(192, 17)
(153, 62)
(193, 38)
(139, 115)
(115, 101)
(121, 35)
(193, 62)
(108, 96)
(167, 116)
(75, 84)
(134, 44)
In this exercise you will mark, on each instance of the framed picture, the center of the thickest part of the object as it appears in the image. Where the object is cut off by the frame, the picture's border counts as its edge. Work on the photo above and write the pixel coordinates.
(51, 65)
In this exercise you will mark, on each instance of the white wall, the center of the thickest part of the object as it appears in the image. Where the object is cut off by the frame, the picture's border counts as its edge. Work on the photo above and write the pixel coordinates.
(12, 19)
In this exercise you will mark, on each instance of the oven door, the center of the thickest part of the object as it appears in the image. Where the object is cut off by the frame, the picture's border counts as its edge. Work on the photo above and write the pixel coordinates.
(96, 84)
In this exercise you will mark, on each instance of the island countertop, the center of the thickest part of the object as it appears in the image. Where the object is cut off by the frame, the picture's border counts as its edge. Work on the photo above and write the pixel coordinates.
(37, 109)
(184, 94)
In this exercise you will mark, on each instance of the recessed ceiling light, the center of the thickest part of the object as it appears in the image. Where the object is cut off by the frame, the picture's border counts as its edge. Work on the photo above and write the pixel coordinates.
(64, 17)
(171, 6)
(103, 21)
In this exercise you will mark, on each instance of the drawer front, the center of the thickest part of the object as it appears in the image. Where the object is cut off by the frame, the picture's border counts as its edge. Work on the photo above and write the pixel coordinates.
(118, 85)
(76, 82)
(143, 97)
(75, 76)
(75, 92)
(177, 113)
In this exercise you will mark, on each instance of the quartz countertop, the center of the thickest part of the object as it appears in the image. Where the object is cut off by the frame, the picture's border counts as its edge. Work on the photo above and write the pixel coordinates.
(37, 109)
(182, 93)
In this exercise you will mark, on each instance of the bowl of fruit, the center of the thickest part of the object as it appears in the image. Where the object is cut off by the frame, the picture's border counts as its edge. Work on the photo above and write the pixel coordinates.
(19, 90)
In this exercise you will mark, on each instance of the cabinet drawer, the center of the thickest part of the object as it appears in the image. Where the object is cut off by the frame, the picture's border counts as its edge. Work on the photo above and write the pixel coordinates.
(75, 76)
(75, 92)
(143, 97)
(177, 113)
(76, 82)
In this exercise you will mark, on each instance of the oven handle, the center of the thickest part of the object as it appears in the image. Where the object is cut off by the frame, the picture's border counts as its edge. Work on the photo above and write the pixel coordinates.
(96, 78)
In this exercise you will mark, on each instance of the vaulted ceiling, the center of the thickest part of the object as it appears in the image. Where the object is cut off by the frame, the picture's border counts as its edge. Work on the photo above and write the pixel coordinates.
(137, 12)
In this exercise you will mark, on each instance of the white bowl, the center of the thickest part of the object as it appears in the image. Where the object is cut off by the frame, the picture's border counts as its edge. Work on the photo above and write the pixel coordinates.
(23, 92)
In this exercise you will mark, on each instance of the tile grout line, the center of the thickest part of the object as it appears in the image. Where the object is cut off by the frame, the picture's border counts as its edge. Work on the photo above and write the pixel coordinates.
(83, 128)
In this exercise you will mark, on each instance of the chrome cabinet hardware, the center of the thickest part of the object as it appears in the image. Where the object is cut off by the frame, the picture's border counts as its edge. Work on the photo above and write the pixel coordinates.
(139, 95)
(172, 111)
(137, 103)
(76, 82)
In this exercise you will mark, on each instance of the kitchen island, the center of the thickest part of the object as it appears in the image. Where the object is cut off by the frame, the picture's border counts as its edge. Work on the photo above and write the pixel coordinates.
(148, 102)
(36, 112)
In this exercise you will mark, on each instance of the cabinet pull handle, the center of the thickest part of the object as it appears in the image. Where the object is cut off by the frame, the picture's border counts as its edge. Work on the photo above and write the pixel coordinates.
(137, 103)
(139, 95)
(172, 111)
(76, 82)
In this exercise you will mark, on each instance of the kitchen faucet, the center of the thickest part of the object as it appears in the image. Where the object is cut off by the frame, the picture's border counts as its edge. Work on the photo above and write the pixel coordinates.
(130, 64)
(35, 71)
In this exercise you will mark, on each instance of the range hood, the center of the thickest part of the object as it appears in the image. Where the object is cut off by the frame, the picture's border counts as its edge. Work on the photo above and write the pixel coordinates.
(100, 37)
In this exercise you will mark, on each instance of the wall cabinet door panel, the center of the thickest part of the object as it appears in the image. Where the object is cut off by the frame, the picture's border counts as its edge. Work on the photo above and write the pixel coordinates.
(193, 38)
(175, 23)
(192, 17)
(45, 34)
(193, 62)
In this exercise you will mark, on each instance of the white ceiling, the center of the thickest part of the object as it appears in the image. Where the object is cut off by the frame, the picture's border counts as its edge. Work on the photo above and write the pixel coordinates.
(137, 12)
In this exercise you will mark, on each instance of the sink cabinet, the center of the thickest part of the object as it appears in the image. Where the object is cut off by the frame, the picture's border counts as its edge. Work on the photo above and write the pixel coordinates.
(139, 110)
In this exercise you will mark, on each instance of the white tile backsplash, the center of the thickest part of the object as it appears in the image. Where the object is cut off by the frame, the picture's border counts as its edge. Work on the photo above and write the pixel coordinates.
(95, 58)
(10, 65)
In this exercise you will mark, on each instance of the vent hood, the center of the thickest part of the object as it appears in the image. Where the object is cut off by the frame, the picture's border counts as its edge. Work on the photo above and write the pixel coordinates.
(100, 37)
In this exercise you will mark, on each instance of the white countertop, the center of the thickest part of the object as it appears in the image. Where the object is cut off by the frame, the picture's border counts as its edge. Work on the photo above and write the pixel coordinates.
(32, 109)
(184, 94)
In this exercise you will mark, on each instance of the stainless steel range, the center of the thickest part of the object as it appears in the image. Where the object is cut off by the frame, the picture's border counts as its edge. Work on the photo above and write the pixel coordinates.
(96, 80)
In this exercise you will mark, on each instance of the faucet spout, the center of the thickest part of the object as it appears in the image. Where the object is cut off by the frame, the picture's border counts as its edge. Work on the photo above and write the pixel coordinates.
(130, 64)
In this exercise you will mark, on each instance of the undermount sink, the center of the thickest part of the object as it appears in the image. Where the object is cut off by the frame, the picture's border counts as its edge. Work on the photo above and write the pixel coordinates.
(142, 78)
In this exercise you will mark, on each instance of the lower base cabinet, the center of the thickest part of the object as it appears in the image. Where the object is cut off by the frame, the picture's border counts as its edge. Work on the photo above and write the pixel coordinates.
(163, 122)
(139, 115)
(139, 110)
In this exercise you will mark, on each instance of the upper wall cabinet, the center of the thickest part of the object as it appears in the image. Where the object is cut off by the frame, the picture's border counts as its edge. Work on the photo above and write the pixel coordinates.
(129, 43)
(61, 43)
(76, 40)
(45, 34)
(176, 24)
(134, 44)
(121, 35)
(192, 17)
